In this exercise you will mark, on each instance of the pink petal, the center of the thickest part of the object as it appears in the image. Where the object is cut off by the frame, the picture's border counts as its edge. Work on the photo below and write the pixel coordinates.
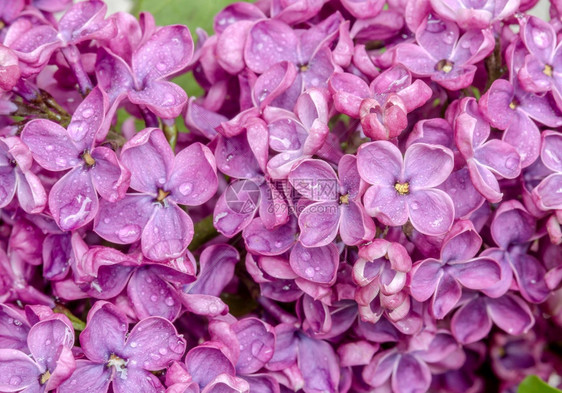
(315, 180)
(166, 52)
(165, 99)
(167, 233)
(511, 314)
(257, 342)
(154, 343)
(355, 225)
(50, 145)
(110, 178)
(426, 165)
(87, 120)
(137, 381)
(425, 278)
(471, 322)
(31, 194)
(73, 201)
(410, 375)
(431, 211)
(193, 180)
(319, 223)
(447, 295)
(157, 299)
(17, 370)
(105, 332)
(150, 159)
(122, 222)
(551, 150)
(478, 273)
(500, 157)
(386, 205)
(349, 91)
(318, 264)
(379, 163)
(87, 378)
(271, 37)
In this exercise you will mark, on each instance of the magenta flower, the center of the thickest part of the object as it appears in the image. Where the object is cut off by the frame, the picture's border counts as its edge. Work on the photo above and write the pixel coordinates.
(383, 105)
(125, 360)
(336, 206)
(17, 177)
(541, 67)
(163, 181)
(548, 193)
(442, 280)
(49, 363)
(311, 55)
(73, 200)
(162, 53)
(470, 15)
(444, 57)
(485, 159)
(473, 321)
(404, 188)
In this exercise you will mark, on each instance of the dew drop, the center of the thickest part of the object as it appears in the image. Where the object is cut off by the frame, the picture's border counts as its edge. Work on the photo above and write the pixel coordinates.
(415, 206)
(128, 233)
(309, 272)
(169, 301)
(154, 298)
(48, 342)
(186, 188)
(213, 308)
(133, 344)
(15, 380)
(87, 113)
(163, 351)
(305, 256)
(511, 162)
(161, 66)
(49, 147)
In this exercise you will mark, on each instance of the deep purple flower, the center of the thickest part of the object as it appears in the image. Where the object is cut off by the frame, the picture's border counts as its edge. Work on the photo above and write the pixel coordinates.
(17, 177)
(162, 181)
(485, 158)
(336, 206)
(548, 194)
(473, 320)
(442, 280)
(162, 53)
(50, 363)
(383, 105)
(444, 57)
(73, 200)
(121, 359)
(403, 188)
(475, 15)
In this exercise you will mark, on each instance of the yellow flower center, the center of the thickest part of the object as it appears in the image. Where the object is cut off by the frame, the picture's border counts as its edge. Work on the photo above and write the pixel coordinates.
(402, 188)
(513, 104)
(303, 67)
(162, 195)
(547, 70)
(45, 377)
(444, 65)
(88, 159)
(344, 199)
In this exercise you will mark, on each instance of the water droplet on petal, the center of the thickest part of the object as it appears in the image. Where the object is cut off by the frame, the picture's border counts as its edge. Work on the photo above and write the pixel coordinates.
(87, 113)
(133, 344)
(128, 233)
(49, 147)
(415, 206)
(186, 188)
(161, 66)
(169, 301)
(163, 351)
(15, 380)
(305, 256)
(309, 272)
(511, 162)
(154, 298)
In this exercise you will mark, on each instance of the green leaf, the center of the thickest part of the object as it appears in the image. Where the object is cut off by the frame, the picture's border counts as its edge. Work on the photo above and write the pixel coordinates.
(533, 384)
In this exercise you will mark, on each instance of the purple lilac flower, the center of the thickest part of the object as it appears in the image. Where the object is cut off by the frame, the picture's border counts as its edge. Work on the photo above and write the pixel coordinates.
(162, 53)
(73, 200)
(337, 203)
(475, 15)
(163, 181)
(444, 56)
(442, 280)
(548, 194)
(48, 363)
(123, 360)
(403, 188)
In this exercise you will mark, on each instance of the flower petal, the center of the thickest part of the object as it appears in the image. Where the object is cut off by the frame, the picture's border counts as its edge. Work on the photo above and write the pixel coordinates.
(73, 200)
(427, 165)
(105, 332)
(167, 233)
(431, 211)
(318, 264)
(110, 178)
(122, 222)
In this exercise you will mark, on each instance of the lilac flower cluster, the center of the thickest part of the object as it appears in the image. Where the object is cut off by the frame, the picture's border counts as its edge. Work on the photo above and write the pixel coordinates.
(368, 198)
